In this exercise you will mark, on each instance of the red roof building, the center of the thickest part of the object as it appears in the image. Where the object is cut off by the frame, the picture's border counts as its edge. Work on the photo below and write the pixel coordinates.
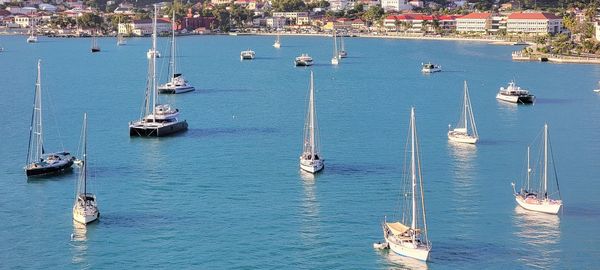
(533, 23)
(474, 22)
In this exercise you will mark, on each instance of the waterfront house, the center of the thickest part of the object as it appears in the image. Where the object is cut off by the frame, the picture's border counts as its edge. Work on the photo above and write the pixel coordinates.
(395, 5)
(144, 27)
(474, 23)
(536, 23)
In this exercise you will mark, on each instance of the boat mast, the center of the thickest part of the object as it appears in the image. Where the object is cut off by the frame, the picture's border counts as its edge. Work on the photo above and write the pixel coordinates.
(84, 168)
(153, 62)
(173, 45)
(528, 169)
(465, 108)
(545, 191)
(36, 122)
(312, 116)
(335, 53)
(413, 172)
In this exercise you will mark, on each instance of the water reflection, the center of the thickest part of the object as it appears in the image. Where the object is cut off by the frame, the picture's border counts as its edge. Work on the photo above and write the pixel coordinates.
(538, 235)
(79, 244)
(309, 230)
(462, 166)
(400, 262)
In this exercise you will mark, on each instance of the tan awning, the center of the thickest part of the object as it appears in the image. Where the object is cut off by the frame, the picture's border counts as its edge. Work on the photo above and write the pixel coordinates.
(397, 228)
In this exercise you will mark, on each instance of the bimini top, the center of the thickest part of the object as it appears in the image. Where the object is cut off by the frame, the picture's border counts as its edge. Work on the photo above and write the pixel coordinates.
(397, 228)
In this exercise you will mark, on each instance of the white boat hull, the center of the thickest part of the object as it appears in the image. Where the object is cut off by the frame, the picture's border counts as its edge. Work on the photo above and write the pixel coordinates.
(432, 70)
(335, 61)
(409, 250)
(277, 45)
(515, 99)
(175, 90)
(462, 138)
(311, 166)
(543, 207)
(84, 218)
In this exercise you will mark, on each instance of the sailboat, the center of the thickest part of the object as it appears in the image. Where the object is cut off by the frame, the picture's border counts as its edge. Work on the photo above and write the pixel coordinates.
(277, 43)
(467, 121)
(408, 236)
(95, 47)
(85, 208)
(538, 198)
(120, 38)
(156, 119)
(311, 159)
(32, 37)
(335, 60)
(177, 83)
(342, 51)
(38, 161)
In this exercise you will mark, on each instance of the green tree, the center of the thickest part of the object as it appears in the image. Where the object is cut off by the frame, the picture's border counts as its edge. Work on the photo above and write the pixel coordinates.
(373, 14)
(90, 20)
(288, 5)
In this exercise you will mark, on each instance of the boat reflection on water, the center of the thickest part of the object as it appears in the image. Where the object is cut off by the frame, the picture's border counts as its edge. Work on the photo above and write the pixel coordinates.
(396, 261)
(79, 244)
(539, 236)
(309, 229)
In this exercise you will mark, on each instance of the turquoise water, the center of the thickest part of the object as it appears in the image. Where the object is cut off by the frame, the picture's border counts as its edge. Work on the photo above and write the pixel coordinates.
(228, 193)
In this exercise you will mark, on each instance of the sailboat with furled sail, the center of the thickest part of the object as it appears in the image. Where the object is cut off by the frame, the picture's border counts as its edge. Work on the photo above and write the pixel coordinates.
(38, 161)
(177, 83)
(277, 43)
(466, 130)
(311, 159)
(95, 47)
(538, 198)
(408, 236)
(156, 119)
(85, 208)
(335, 60)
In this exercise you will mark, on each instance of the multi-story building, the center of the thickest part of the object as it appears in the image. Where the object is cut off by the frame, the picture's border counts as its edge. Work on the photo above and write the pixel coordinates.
(498, 24)
(395, 5)
(26, 21)
(276, 22)
(298, 18)
(144, 27)
(474, 22)
(533, 23)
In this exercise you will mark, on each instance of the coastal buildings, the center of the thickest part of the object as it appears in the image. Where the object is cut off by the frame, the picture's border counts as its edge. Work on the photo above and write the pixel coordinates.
(298, 18)
(395, 5)
(144, 27)
(534, 23)
(418, 23)
(474, 22)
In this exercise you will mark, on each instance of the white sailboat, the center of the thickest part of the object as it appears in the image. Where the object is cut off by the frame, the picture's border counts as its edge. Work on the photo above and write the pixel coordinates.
(121, 40)
(342, 51)
(177, 83)
(467, 121)
(335, 60)
(95, 47)
(38, 161)
(538, 198)
(85, 208)
(157, 119)
(32, 37)
(311, 159)
(277, 43)
(408, 236)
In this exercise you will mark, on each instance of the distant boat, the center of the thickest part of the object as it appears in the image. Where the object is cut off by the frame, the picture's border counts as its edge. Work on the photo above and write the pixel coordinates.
(32, 37)
(335, 60)
(342, 51)
(467, 121)
(38, 161)
(277, 43)
(95, 47)
(247, 55)
(157, 120)
(85, 208)
(311, 159)
(303, 60)
(177, 83)
(597, 90)
(430, 68)
(408, 236)
(121, 40)
(515, 94)
(537, 197)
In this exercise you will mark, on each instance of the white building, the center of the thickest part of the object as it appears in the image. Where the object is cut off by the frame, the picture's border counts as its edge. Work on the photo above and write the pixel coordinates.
(337, 5)
(597, 28)
(395, 5)
(276, 22)
(534, 23)
(25, 21)
(474, 22)
(144, 27)
(298, 18)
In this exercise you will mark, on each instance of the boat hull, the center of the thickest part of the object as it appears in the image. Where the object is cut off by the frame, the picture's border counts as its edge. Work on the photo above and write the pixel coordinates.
(277, 45)
(84, 218)
(516, 99)
(303, 64)
(461, 137)
(543, 207)
(335, 61)
(138, 130)
(409, 250)
(58, 167)
(175, 90)
(95, 50)
(310, 166)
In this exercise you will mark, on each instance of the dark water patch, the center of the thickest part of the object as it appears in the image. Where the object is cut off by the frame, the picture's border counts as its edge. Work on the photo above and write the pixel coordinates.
(357, 169)
(216, 90)
(552, 101)
(135, 220)
(578, 211)
(216, 132)
(458, 252)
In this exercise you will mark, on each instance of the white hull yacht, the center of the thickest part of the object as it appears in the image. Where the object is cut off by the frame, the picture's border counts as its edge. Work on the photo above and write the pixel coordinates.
(311, 159)
(303, 60)
(430, 68)
(85, 208)
(277, 43)
(461, 132)
(515, 94)
(335, 60)
(247, 55)
(177, 84)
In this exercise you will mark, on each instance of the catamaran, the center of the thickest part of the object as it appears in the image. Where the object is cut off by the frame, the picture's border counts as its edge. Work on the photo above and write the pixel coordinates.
(538, 198)
(408, 236)
(156, 119)
(247, 55)
(311, 159)
(303, 60)
(335, 60)
(461, 132)
(515, 94)
(85, 208)
(38, 161)
(277, 43)
(177, 83)
(430, 68)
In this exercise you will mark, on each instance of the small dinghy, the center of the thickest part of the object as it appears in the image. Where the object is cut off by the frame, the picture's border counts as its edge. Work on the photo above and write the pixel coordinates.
(381, 246)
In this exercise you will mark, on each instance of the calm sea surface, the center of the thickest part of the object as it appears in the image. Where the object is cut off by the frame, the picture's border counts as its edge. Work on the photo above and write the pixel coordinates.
(228, 193)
